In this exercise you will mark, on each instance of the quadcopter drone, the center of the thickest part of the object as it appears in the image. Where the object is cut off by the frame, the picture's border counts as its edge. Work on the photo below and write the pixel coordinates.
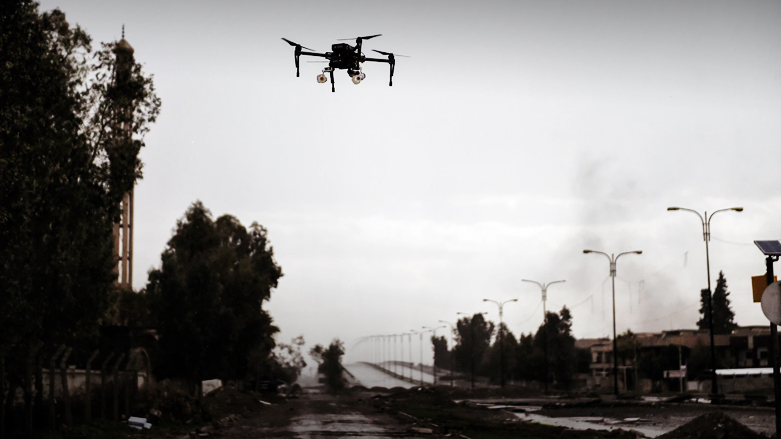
(345, 56)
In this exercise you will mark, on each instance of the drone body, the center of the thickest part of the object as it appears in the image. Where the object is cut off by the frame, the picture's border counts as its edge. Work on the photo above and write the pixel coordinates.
(346, 57)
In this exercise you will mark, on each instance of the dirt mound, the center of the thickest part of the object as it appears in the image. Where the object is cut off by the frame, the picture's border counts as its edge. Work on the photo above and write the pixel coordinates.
(424, 395)
(227, 400)
(714, 425)
(177, 407)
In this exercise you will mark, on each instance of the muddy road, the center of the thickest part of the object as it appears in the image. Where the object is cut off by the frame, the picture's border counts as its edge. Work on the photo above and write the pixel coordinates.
(317, 414)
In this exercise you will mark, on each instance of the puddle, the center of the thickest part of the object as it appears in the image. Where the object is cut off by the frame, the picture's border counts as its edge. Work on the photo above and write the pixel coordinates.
(586, 423)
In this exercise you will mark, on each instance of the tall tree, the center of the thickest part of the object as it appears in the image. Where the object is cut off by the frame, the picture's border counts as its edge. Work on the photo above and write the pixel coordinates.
(491, 364)
(289, 358)
(723, 316)
(329, 362)
(213, 280)
(529, 365)
(59, 202)
(561, 346)
(473, 337)
(441, 352)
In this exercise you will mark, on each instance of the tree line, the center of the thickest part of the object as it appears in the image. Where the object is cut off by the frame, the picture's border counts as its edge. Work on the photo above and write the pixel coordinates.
(549, 355)
(484, 350)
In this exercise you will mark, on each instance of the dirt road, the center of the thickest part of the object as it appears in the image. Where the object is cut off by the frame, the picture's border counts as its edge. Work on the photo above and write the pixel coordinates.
(319, 415)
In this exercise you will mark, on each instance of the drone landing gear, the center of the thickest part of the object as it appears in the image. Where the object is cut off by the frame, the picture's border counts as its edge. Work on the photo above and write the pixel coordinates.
(392, 68)
(322, 79)
(356, 76)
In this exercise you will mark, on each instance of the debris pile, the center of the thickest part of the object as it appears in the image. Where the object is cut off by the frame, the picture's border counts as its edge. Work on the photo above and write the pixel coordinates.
(177, 407)
(227, 400)
(714, 425)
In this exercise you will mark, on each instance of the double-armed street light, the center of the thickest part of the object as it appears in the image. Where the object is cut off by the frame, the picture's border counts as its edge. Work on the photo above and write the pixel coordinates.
(501, 336)
(471, 342)
(544, 288)
(613, 260)
(705, 220)
(452, 344)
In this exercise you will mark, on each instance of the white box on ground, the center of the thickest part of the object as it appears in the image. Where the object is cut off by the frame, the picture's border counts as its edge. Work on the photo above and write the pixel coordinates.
(210, 385)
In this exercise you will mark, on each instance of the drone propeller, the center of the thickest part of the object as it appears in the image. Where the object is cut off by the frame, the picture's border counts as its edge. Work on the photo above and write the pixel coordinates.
(295, 44)
(359, 38)
(390, 54)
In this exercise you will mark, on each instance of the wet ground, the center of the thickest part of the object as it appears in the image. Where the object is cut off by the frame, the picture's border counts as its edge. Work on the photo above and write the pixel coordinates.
(318, 415)
(650, 418)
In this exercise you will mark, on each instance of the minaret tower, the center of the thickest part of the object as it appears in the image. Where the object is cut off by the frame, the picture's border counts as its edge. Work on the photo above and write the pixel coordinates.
(123, 230)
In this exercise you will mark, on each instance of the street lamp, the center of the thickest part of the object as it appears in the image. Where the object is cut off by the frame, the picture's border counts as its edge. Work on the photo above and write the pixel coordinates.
(421, 354)
(434, 361)
(501, 337)
(705, 220)
(395, 361)
(544, 288)
(453, 343)
(411, 363)
(613, 260)
(471, 343)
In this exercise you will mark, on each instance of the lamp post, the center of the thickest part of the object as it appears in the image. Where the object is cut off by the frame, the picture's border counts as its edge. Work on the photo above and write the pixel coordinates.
(402, 354)
(453, 343)
(434, 360)
(705, 220)
(411, 364)
(421, 355)
(501, 336)
(544, 288)
(613, 259)
(395, 361)
(471, 343)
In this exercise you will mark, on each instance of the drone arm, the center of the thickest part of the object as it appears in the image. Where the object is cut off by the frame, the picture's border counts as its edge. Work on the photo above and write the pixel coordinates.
(391, 61)
(298, 54)
(322, 55)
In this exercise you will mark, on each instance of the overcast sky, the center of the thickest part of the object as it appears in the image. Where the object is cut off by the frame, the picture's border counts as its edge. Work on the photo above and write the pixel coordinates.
(517, 134)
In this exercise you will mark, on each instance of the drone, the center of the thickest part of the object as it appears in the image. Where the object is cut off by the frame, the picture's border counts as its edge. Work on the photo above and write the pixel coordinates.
(347, 57)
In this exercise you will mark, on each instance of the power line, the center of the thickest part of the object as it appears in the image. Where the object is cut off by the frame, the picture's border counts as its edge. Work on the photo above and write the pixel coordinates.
(582, 301)
(731, 242)
(532, 314)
